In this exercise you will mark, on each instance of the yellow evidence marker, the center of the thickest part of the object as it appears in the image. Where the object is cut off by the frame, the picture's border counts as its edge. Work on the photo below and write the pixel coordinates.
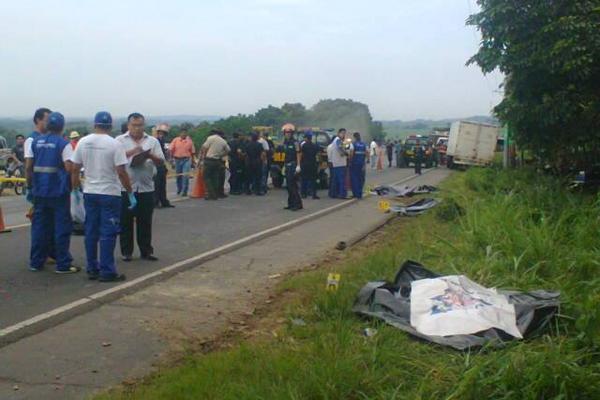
(384, 205)
(333, 281)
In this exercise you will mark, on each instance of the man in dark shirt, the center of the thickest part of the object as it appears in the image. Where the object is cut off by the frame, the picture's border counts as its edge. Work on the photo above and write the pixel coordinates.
(389, 147)
(255, 160)
(19, 150)
(160, 179)
(309, 166)
(235, 165)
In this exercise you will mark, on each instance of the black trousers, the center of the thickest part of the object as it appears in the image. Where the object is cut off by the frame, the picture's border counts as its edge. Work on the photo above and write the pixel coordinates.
(214, 177)
(235, 178)
(254, 181)
(160, 187)
(142, 214)
(294, 199)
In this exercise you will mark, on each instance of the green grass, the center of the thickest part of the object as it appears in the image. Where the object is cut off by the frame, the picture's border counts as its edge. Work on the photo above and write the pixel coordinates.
(512, 229)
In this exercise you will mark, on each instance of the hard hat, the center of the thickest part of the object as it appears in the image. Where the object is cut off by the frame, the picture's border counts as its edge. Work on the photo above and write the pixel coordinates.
(56, 122)
(288, 127)
(163, 128)
(74, 135)
(103, 119)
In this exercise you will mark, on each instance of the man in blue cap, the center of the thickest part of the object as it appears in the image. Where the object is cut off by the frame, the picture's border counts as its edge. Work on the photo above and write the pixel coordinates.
(104, 160)
(48, 176)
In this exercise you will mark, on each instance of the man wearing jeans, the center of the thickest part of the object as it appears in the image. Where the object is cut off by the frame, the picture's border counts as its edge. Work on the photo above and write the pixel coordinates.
(145, 156)
(182, 150)
(104, 161)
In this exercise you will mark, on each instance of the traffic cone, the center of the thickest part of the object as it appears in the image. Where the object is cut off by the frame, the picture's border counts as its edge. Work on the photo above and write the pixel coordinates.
(199, 189)
(2, 226)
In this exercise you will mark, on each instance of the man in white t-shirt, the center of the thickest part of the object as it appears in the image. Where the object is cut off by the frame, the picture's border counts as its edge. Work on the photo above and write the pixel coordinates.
(265, 167)
(373, 153)
(104, 161)
(145, 155)
(339, 162)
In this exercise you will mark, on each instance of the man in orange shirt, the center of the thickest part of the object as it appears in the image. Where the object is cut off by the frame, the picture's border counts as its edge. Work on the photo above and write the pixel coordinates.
(183, 151)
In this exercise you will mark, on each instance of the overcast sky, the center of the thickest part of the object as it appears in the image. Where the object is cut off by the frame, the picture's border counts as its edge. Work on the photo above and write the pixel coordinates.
(404, 58)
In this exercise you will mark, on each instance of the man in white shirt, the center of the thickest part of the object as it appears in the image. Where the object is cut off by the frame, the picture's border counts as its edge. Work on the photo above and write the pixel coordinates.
(265, 167)
(339, 162)
(373, 153)
(144, 154)
(104, 160)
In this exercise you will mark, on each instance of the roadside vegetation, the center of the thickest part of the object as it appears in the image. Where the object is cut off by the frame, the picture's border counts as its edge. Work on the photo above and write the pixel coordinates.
(509, 229)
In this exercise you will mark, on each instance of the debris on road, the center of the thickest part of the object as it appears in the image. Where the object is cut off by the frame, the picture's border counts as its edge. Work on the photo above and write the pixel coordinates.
(416, 208)
(404, 191)
(369, 332)
(298, 322)
(455, 311)
(341, 246)
(106, 344)
(274, 276)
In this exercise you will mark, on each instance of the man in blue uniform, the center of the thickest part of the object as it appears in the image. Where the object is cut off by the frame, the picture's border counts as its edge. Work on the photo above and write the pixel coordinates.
(357, 166)
(48, 176)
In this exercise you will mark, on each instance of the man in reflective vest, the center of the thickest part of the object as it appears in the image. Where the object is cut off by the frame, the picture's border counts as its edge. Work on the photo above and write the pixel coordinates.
(357, 166)
(48, 175)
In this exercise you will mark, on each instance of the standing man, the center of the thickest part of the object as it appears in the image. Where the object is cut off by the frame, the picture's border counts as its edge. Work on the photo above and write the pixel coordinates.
(183, 151)
(332, 185)
(373, 153)
(74, 139)
(255, 160)
(264, 169)
(292, 162)
(358, 166)
(48, 176)
(309, 166)
(398, 151)
(18, 152)
(339, 161)
(213, 152)
(145, 156)
(235, 165)
(160, 179)
(419, 155)
(389, 147)
(104, 161)
(40, 120)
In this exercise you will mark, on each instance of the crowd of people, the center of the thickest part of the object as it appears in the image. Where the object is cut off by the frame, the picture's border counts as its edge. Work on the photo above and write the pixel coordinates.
(125, 180)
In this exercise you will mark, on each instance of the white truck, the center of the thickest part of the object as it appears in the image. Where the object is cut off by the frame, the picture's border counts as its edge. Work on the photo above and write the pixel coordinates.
(471, 143)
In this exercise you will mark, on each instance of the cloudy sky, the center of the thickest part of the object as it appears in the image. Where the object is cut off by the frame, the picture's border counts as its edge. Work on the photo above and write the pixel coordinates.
(404, 58)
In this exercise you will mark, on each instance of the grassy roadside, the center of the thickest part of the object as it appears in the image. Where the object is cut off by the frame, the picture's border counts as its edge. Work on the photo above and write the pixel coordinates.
(518, 230)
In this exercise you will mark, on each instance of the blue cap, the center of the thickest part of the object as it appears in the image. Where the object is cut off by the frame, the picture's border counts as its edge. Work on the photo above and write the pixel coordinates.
(56, 122)
(308, 134)
(103, 118)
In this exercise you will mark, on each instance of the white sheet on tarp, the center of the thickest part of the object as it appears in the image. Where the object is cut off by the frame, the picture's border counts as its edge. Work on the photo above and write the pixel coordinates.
(455, 305)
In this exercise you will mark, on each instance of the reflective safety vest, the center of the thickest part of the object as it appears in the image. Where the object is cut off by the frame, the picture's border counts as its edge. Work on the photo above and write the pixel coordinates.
(291, 151)
(360, 152)
(50, 179)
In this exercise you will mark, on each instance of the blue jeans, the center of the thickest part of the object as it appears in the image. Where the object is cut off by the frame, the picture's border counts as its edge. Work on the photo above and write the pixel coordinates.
(102, 225)
(182, 169)
(339, 176)
(51, 224)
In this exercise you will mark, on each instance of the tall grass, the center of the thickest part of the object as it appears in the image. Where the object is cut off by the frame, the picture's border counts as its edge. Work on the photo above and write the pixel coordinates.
(514, 229)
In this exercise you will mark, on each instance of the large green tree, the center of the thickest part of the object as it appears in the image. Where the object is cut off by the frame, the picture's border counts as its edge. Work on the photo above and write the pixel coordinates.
(549, 51)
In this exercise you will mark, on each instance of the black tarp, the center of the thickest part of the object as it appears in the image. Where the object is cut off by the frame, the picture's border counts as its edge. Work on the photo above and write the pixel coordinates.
(391, 302)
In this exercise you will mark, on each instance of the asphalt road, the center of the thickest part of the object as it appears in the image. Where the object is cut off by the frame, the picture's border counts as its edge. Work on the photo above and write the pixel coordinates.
(193, 227)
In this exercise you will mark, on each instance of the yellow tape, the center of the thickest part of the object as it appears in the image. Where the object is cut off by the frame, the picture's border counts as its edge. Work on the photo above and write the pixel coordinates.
(13, 180)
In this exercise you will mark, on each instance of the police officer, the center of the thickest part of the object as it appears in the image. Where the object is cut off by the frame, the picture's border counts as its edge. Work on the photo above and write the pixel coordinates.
(358, 166)
(310, 166)
(292, 162)
(48, 175)
(235, 165)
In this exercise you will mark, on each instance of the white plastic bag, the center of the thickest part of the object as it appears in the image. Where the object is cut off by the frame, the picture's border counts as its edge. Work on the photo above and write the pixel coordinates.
(455, 305)
(77, 209)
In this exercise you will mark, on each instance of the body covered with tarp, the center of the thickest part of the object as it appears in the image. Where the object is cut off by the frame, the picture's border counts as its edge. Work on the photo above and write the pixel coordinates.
(454, 311)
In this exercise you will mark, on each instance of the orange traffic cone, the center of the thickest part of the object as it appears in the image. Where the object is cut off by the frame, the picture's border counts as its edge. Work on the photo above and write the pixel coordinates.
(199, 189)
(2, 226)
